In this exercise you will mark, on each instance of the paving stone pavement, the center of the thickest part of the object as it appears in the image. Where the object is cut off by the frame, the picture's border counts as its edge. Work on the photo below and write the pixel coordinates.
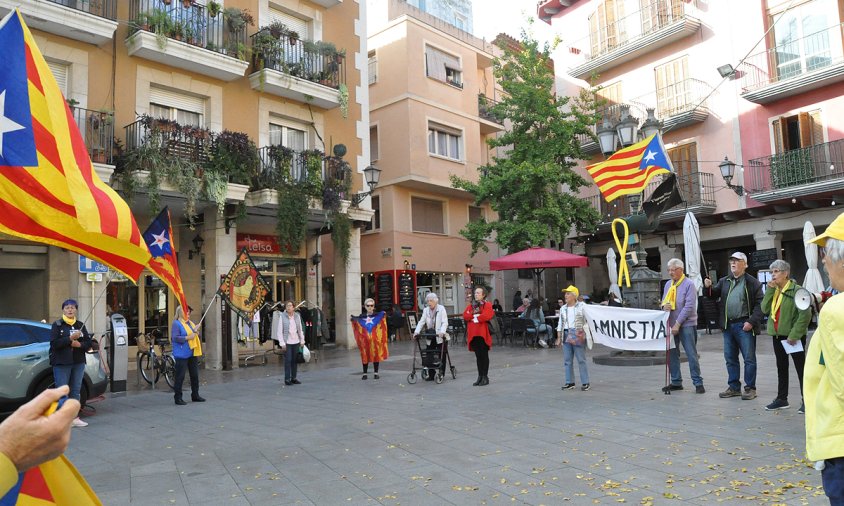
(338, 440)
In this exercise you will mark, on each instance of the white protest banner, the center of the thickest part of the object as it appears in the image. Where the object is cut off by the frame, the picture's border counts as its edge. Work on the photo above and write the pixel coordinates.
(626, 328)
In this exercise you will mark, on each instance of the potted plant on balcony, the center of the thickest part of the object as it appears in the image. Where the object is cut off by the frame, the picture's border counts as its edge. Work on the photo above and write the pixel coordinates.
(191, 35)
(237, 19)
(266, 50)
(72, 103)
(292, 37)
(213, 8)
(166, 2)
(187, 3)
(276, 28)
(177, 31)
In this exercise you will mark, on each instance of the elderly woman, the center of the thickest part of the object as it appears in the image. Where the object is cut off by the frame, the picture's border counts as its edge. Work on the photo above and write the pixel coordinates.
(823, 378)
(434, 318)
(186, 350)
(369, 310)
(534, 312)
(291, 335)
(69, 340)
(477, 314)
(788, 324)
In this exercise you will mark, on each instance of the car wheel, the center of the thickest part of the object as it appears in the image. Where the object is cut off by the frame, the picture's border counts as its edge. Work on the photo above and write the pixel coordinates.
(49, 382)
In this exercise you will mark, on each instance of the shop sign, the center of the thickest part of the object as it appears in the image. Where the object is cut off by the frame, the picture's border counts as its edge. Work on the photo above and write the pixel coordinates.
(258, 245)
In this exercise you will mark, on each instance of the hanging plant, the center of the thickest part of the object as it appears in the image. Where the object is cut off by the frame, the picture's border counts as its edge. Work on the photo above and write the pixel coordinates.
(213, 8)
(281, 159)
(216, 185)
(341, 233)
(313, 166)
(343, 98)
(234, 156)
(292, 214)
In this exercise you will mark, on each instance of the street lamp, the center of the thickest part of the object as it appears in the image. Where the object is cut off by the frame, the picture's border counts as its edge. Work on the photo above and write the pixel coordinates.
(627, 131)
(728, 170)
(372, 175)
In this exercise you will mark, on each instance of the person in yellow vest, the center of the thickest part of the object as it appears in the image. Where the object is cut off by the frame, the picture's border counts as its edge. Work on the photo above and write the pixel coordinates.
(823, 375)
(186, 348)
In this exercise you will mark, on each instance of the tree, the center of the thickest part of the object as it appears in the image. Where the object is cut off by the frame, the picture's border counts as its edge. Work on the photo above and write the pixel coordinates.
(533, 187)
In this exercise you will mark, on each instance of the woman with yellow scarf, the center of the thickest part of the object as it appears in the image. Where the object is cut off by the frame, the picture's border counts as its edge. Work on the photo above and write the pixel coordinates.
(69, 340)
(186, 348)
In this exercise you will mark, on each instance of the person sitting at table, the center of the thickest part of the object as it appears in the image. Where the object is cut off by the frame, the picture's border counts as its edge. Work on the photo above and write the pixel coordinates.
(524, 306)
(496, 306)
(534, 312)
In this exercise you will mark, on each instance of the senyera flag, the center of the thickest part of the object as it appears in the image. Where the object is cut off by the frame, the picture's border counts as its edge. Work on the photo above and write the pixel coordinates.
(49, 191)
(159, 239)
(244, 287)
(371, 337)
(629, 170)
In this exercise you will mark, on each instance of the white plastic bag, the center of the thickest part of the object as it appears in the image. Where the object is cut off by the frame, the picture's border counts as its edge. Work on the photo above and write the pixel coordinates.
(306, 353)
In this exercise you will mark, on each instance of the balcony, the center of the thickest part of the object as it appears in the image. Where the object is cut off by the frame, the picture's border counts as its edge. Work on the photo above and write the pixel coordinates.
(794, 67)
(187, 38)
(801, 172)
(696, 188)
(680, 104)
(659, 23)
(488, 122)
(93, 22)
(304, 71)
(191, 144)
(97, 129)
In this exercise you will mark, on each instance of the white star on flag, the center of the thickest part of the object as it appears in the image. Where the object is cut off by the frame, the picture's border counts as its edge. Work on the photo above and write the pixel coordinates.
(6, 124)
(369, 320)
(650, 156)
(161, 240)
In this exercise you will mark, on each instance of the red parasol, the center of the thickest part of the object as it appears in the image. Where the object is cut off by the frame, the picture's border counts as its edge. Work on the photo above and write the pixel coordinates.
(538, 259)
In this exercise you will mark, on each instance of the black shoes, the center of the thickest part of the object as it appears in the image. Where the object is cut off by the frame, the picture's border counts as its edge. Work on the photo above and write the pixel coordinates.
(376, 376)
(180, 402)
(297, 382)
(288, 382)
(484, 381)
(363, 377)
(568, 386)
(478, 382)
(700, 390)
(675, 387)
(585, 387)
(197, 399)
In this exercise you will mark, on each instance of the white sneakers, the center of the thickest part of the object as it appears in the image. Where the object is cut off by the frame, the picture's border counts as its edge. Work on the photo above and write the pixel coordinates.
(78, 422)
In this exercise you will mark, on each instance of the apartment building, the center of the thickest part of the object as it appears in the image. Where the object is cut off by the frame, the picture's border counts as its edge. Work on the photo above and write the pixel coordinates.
(164, 79)
(755, 83)
(429, 85)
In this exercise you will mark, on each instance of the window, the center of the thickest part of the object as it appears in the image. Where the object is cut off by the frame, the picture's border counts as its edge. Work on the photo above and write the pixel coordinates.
(288, 136)
(182, 108)
(673, 93)
(460, 21)
(476, 213)
(375, 224)
(373, 68)
(373, 144)
(798, 131)
(801, 37)
(13, 334)
(525, 274)
(606, 27)
(427, 215)
(61, 71)
(444, 141)
(684, 160)
(609, 96)
(657, 14)
(443, 67)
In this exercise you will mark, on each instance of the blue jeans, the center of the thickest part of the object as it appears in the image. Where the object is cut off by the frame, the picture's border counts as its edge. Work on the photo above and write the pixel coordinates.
(832, 478)
(687, 336)
(70, 375)
(290, 363)
(579, 352)
(738, 340)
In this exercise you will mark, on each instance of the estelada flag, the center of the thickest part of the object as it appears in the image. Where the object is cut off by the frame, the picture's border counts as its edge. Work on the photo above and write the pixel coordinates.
(629, 170)
(55, 482)
(371, 337)
(244, 287)
(159, 239)
(49, 191)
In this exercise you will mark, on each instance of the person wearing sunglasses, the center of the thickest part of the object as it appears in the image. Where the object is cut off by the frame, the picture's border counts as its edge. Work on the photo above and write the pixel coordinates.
(369, 310)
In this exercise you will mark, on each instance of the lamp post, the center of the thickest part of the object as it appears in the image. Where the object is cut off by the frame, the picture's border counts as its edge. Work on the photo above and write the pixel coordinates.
(372, 175)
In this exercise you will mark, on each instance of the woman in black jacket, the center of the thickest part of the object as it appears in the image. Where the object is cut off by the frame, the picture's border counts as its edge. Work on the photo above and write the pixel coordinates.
(69, 340)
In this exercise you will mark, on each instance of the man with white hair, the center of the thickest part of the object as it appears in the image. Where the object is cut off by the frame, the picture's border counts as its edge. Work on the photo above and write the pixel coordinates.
(680, 300)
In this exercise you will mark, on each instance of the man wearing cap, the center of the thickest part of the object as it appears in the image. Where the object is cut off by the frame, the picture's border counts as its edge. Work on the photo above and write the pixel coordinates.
(823, 375)
(680, 300)
(739, 298)
(570, 331)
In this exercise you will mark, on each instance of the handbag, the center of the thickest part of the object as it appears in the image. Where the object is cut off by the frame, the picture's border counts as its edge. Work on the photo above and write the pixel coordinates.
(494, 328)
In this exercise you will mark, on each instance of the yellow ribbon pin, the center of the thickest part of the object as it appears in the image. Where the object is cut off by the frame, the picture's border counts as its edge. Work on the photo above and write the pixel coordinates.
(623, 271)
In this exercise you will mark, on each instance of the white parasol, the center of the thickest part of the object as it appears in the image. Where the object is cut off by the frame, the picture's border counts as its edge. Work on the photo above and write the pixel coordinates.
(813, 281)
(691, 240)
(612, 266)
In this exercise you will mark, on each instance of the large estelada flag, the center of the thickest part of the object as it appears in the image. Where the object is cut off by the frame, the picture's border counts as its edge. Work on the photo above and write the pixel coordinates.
(159, 239)
(371, 337)
(56, 482)
(244, 287)
(49, 191)
(629, 170)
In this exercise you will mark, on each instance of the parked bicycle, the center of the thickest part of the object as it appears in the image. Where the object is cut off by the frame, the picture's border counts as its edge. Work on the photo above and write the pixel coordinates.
(153, 364)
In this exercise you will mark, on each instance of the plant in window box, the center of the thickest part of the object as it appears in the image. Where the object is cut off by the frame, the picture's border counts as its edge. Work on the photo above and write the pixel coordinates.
(141, 22)
(191, 34)
(235, 155)
(281, 163)
(213, 7)
(266, 50)
(177, 31)
(339, 55)
(276, 29)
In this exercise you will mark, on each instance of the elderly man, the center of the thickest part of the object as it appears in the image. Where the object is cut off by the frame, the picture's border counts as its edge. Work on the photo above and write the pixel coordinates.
(785, 323)
(824, 376)
(739, 298)
(680, 300)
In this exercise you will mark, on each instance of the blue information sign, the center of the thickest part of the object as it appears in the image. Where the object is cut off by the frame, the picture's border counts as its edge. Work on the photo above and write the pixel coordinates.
(87, 265)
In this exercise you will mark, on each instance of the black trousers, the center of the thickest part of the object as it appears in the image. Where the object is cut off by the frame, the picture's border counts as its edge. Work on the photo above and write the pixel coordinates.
(481, 350)
(375, 365)
(799, 359)
(189, 364)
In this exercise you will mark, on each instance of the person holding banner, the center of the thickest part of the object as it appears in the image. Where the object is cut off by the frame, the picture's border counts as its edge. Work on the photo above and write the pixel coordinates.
(69, 340)
(680, 300)
(186, 349)
(787, 325)
(570, 331)
(740, 313)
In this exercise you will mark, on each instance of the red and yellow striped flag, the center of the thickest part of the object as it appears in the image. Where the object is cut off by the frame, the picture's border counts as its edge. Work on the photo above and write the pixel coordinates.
(629, 170)
(159, 239)
(49, 191)
(371, 337)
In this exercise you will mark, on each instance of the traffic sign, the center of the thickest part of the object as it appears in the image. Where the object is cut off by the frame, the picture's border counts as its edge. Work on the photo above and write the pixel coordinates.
(87, 265)
(94, 277)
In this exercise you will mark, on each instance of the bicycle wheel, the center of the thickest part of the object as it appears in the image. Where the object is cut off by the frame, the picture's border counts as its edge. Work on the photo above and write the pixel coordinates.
(170, 370)
(145, 366)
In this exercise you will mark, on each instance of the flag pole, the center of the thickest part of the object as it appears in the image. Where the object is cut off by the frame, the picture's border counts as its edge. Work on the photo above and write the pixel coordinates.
(199, 323)
(95, 302)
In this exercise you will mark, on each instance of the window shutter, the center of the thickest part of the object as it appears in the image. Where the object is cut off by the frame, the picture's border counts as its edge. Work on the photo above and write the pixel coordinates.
(817, 127)
(61, 71)
(805, 122)
(298, 25)
(779, 144)
(373, 144)
(177, 100)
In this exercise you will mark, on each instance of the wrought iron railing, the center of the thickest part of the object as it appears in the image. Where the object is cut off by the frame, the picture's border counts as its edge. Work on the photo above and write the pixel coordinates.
(318, 62)
(187, 143)
(485, 105)
(102, 8)
(97, 129)
(278, 161)
(654, 15)
(696, 188)
(191, 24)
(815, 164)
(677, 98)
(792, 59)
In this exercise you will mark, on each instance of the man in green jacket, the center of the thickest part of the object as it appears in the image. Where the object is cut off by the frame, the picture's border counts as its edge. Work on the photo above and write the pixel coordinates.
(787, 325)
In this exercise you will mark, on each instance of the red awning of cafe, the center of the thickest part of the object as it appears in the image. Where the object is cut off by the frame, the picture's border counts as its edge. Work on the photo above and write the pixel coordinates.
(538, 258)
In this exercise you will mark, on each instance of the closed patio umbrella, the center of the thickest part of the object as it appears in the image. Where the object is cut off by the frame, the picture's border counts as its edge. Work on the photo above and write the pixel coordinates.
(813, 281)
(612, 267)
(691, 240)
